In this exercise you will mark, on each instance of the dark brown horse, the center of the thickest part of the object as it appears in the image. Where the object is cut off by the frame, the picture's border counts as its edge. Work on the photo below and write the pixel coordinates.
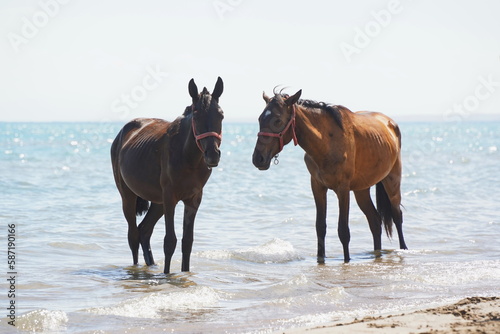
(163, 163)
(345, 152)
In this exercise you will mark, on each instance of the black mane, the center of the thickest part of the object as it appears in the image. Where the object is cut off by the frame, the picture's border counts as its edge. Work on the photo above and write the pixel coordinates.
(205, 99)
(188, 110)
(333, 110)
(329, 108)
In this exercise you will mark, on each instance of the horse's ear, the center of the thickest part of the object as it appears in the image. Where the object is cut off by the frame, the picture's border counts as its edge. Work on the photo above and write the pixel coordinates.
(265, 97)
(218, 89)
(193, 90)
(294, 98)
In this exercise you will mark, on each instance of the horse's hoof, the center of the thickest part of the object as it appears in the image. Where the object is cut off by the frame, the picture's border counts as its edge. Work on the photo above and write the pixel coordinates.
(321, 260)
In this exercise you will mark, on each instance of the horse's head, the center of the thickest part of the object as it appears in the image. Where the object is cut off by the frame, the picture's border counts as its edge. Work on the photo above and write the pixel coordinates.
(207, 121)
(277, 128)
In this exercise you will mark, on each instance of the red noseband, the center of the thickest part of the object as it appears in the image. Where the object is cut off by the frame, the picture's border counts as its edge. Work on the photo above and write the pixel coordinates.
(291, 124)
(199, 137)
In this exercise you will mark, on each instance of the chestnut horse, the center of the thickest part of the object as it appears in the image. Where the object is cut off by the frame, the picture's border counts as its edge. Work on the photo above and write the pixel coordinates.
(344, 151)
(163, 163)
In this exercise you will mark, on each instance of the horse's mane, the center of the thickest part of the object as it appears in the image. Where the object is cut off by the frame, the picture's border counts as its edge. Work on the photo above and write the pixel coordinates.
(204, 99)
(333, 110)
(175, 125)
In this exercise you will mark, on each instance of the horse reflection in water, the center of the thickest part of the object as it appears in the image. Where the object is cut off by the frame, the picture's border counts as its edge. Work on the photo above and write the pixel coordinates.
(162, 163)
(344, 151)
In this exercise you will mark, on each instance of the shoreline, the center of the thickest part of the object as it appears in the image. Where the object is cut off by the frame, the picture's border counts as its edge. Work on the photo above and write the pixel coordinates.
(473, 314)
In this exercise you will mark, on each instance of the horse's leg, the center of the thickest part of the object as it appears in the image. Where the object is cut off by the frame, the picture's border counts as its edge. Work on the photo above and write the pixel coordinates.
(129, 200)
(398, 221)
(146, 230)
(392, 186)
(366, 205)
(170, 240)
(343, 227)
(190, 209)
(319, 192)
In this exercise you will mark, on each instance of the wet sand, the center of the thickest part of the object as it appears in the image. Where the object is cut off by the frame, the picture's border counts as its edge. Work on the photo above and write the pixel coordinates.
(470, 315)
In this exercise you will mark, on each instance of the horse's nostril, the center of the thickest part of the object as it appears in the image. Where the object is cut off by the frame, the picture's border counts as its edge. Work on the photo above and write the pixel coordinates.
(258, 159)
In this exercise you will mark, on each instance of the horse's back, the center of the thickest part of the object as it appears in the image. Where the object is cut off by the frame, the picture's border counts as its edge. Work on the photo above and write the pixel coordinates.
(141, 131)
(375, 125)
(138, 133)
(377, 146)
(136, 156)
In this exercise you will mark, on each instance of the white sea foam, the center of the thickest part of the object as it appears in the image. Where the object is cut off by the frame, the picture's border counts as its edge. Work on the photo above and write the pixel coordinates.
(153, 305)
(273, 251)
(444, 274)
(215, 254)
(311, 301)
(42, 320)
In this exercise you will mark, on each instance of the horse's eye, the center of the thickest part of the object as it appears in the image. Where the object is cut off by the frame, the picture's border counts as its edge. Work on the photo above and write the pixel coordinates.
(277, 122)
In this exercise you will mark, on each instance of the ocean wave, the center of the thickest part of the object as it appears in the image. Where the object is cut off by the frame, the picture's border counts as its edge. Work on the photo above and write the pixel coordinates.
(300, 290)
(75, 246)
(273, 251)
(291, 286)
(215, 254)
(153, 305)
(42, 320)
(447, 273)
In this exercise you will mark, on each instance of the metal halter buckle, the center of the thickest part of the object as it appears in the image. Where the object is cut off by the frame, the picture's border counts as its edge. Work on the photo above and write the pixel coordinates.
(276, 161)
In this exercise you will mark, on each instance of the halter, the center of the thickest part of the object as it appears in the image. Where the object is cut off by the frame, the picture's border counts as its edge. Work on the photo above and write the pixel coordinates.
(199, 137)
(291, 123)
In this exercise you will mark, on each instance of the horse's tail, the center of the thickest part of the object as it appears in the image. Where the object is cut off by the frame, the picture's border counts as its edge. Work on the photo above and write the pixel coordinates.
(384, 208)
(141, 206)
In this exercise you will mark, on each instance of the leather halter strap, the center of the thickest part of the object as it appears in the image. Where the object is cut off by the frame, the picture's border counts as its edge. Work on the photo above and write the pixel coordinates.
(291, 123)
(199, 137)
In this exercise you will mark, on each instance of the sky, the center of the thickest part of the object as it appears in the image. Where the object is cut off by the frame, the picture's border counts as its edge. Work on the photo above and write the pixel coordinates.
(75, 60)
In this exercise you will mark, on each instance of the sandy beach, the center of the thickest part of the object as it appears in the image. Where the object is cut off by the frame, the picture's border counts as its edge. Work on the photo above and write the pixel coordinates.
(470, 315)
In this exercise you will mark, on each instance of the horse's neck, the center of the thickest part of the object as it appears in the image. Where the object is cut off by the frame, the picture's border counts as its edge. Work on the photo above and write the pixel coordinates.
(190, 151)
(311, 130)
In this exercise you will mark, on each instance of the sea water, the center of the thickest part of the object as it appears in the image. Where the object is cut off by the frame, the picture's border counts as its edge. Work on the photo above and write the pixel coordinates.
(253, 267)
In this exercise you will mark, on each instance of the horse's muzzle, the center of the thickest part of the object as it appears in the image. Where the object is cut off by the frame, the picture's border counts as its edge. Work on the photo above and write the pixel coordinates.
(212, 158)
(260, 161)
